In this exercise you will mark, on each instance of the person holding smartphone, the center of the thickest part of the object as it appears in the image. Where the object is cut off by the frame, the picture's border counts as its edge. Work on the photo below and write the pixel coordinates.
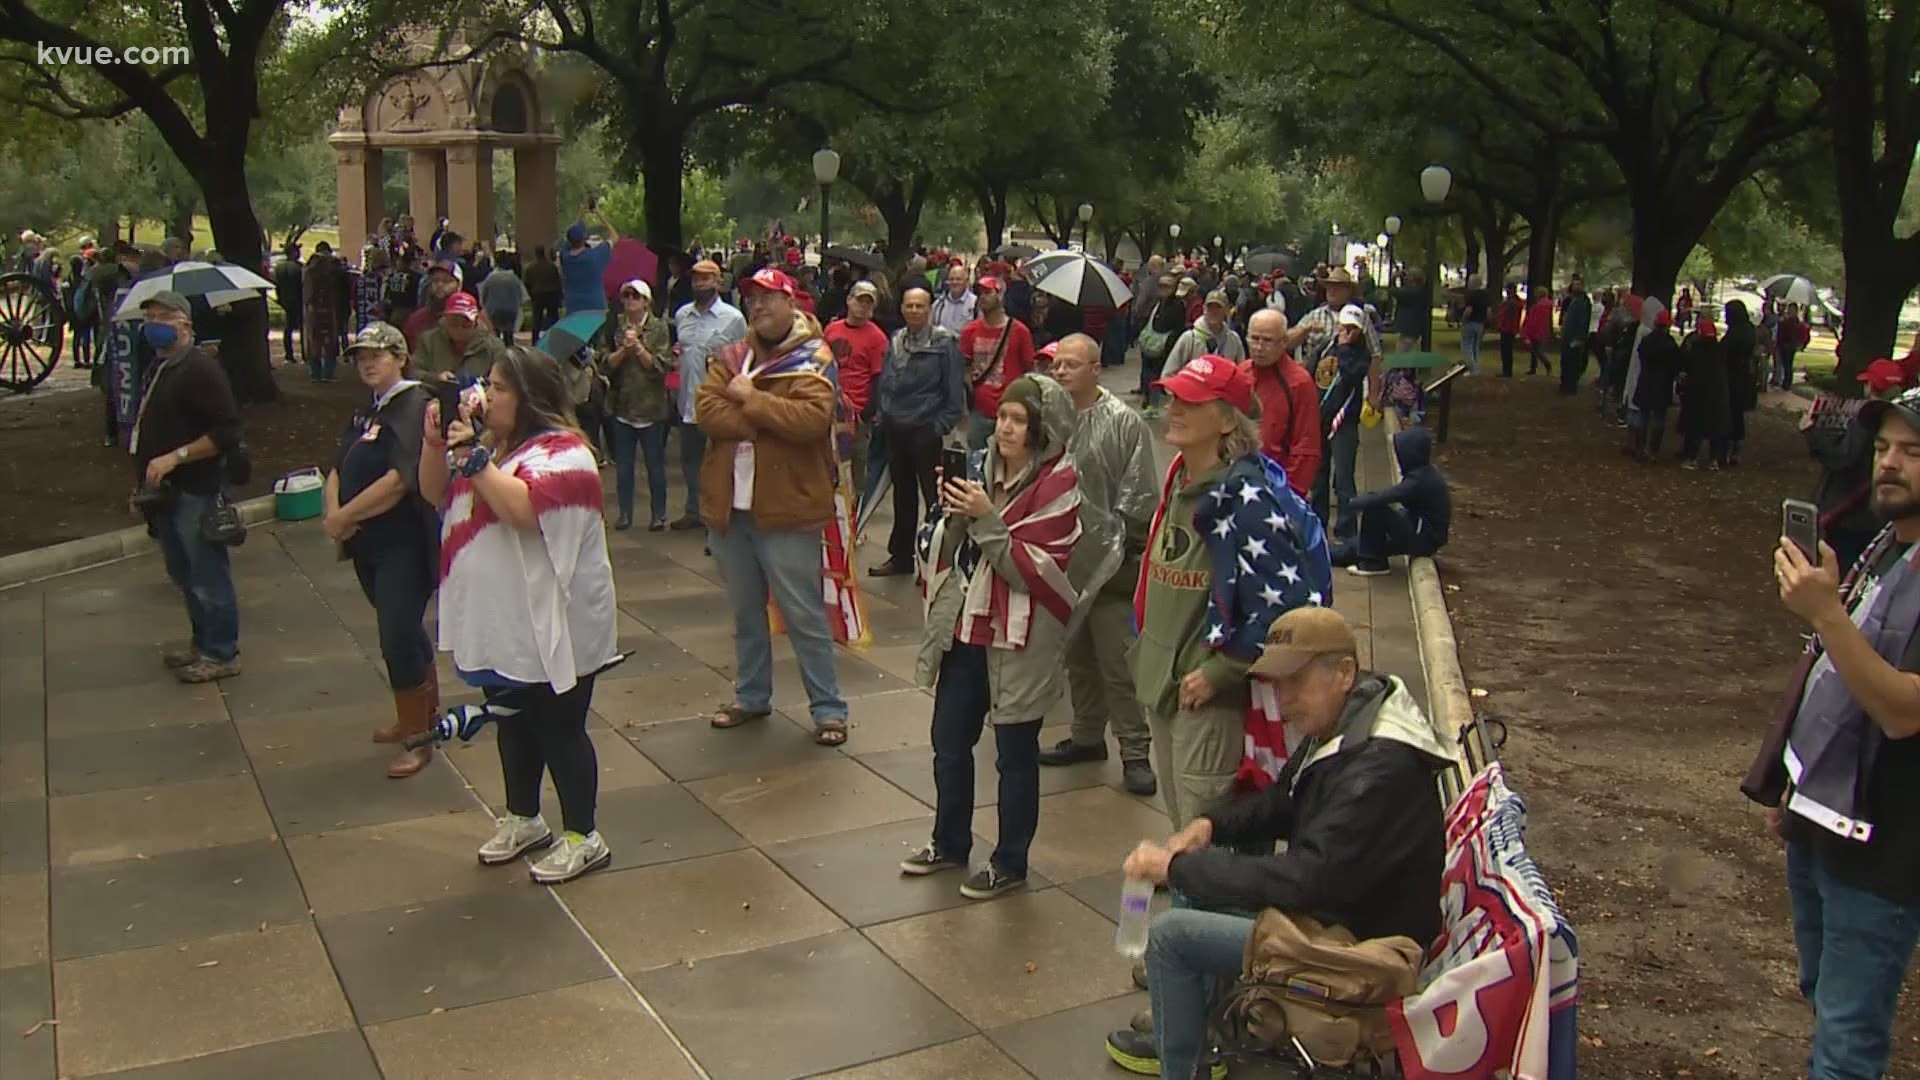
(526, 596)
(1839, 772)
(632, 354)
(1000, 600)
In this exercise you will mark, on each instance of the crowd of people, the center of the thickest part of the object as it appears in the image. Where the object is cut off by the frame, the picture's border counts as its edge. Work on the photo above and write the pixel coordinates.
(1187, 608)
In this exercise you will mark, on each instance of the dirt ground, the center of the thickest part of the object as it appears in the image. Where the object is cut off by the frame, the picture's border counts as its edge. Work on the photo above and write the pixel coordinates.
(1622, 620)
(58, 483)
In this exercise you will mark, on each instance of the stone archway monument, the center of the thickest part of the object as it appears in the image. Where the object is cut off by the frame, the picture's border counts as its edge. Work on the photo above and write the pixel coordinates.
(450, 121)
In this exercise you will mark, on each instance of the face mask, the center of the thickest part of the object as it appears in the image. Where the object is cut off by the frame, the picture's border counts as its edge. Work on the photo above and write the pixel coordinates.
(160, 335)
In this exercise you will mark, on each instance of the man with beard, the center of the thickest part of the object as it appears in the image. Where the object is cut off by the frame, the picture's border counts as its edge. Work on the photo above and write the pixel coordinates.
(998, 350)
(767, 409)
(443, 280)
(1840, 772)
(700, 329)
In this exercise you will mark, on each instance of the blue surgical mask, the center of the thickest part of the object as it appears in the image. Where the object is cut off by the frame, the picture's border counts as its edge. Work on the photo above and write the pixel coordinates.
(160, 335)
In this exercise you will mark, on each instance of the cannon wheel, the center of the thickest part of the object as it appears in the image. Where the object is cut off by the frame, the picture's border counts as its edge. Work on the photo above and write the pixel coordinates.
(32, 329)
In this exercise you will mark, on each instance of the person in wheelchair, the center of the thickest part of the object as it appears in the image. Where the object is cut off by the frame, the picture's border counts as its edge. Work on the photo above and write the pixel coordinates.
(1355, 804)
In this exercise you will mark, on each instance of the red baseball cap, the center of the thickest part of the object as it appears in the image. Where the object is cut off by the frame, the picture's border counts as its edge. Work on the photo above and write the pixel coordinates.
(464, 305)
(1046, 351)
(1882, 375)
(1211, 378)
(988, 282)
(1706, 329)
(777, 280)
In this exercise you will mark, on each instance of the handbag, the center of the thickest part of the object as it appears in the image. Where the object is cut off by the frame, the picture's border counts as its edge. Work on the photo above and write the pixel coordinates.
(221, 524)
(1153, 342)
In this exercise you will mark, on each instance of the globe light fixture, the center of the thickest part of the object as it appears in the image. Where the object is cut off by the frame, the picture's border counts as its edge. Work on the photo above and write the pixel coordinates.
(1435, 182)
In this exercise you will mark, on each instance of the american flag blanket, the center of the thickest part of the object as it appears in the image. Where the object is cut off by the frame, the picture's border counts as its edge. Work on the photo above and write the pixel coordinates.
(1269, 556)
(1043, 523)
(1498, 993)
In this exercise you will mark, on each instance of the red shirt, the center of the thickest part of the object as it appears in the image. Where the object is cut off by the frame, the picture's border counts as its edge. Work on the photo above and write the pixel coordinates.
(977, 344)
(1508, 320)
(1289, 420)
(858, 351)
(1539, 324)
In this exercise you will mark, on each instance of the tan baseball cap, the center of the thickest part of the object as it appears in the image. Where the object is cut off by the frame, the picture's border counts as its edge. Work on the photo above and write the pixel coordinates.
(1299, 636)
(864, 288)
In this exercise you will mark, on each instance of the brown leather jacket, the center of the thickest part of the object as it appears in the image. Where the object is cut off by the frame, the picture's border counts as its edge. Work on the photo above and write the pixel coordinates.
(789, 420)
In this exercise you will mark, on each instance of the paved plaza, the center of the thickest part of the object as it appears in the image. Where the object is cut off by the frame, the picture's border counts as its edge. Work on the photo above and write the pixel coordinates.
(221, 882)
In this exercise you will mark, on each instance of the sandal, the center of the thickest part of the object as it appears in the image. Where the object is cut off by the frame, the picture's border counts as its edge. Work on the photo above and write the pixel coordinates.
(733, 716)
(830, 733)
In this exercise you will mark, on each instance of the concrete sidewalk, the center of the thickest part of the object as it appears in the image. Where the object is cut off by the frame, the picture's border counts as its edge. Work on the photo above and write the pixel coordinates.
(221, 882)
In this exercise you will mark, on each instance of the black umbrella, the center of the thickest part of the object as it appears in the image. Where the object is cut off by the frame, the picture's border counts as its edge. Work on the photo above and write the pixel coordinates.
(857, 256)
(1015, 251)
(1264, 262)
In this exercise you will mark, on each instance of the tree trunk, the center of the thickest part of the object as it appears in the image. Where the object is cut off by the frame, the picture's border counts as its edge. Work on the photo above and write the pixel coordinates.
(180, 220)
(1880, 277)
(1497, 230)
(1471, 234)
(991, 194)
(662, 156)
(900, 206)
(1661, 243)
(222, 178)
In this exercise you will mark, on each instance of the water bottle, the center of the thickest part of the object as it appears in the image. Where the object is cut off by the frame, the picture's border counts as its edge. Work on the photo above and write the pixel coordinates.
(1135, 899)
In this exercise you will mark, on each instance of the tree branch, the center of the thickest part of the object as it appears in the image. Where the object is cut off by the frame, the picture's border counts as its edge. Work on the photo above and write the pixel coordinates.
(1783, 48)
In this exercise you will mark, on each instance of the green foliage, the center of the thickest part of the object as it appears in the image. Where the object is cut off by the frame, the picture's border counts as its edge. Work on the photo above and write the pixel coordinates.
(703, 214)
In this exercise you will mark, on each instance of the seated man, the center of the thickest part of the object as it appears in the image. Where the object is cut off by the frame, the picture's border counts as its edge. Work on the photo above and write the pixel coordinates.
(1409, 518)
(1364, 826)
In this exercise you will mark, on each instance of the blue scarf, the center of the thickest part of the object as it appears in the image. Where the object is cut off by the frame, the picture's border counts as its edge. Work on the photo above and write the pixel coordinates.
(1832, 746)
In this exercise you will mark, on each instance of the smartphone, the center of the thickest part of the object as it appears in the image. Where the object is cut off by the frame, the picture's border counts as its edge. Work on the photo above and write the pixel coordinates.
(953, 464)
(1800, 523)
(447, 396)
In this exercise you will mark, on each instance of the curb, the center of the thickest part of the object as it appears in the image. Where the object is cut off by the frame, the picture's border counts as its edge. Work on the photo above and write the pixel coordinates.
(91, 551)
(1448, 703)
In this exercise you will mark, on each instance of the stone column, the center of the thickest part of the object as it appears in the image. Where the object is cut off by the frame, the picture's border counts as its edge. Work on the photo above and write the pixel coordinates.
(426, 190)
(535, 198)
(360, 188)
(470, 191)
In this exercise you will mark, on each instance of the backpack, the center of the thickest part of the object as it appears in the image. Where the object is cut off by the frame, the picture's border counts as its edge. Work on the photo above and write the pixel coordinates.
(1314, 988)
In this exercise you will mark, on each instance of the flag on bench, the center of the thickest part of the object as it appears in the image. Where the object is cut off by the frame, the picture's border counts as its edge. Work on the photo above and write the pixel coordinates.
(1500, 986)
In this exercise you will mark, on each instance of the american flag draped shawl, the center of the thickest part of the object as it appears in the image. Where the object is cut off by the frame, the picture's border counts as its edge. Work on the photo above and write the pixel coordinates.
(1043, 521)
(839, 583)
(1269, 556)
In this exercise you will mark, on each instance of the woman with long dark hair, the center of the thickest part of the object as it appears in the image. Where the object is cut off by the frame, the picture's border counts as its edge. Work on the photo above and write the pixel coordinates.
(1742, 392)
(375, 512)
(526, 596)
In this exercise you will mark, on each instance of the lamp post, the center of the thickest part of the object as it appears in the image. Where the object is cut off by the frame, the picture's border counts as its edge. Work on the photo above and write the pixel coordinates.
(1435, 182)
(1086, 224)
(826, 169)
(1393, 229)
(1173, 234)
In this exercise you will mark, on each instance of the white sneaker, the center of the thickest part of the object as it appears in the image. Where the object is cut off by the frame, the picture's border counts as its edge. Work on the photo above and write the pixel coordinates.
(516, 836)
(572, 857)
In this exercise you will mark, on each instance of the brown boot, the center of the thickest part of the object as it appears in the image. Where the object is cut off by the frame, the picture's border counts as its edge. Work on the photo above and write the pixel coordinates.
(413, 707)
(393, 733)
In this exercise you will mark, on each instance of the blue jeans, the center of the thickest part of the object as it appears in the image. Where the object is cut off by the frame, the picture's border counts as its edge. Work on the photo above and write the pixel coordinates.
(627, 441)
(1470, 335)
(1188, 953)
(201, 570)
(1343, 451)
(786, 563)
(962, 698)
(1854, 950)
(693, 447)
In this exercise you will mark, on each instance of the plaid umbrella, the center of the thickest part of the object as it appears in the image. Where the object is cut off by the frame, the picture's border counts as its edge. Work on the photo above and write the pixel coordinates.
(217, 283)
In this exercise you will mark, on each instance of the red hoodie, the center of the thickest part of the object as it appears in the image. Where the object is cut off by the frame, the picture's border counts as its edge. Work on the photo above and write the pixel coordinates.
(1539, 324)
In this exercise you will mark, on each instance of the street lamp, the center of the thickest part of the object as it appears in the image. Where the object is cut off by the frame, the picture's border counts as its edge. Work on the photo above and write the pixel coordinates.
(1393, 229)
(1086, 223)
(826, 169)
(1435, 182)
(1173, 234)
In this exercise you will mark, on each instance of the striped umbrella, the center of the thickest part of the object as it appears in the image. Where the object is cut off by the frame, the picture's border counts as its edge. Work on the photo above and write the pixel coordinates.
(217, 283)
(1078, 278)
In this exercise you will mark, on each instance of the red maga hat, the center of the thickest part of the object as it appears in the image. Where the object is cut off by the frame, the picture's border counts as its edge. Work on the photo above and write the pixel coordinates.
(1211, 378)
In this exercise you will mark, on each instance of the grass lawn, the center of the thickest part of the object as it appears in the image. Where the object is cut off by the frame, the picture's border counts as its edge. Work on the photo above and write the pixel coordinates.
(150, 234)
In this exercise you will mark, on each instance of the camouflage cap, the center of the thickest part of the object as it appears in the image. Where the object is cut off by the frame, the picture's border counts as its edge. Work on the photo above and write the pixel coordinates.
(379, 335)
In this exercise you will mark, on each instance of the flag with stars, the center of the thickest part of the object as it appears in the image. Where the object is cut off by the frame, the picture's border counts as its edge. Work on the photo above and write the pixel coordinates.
(1268, 555)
